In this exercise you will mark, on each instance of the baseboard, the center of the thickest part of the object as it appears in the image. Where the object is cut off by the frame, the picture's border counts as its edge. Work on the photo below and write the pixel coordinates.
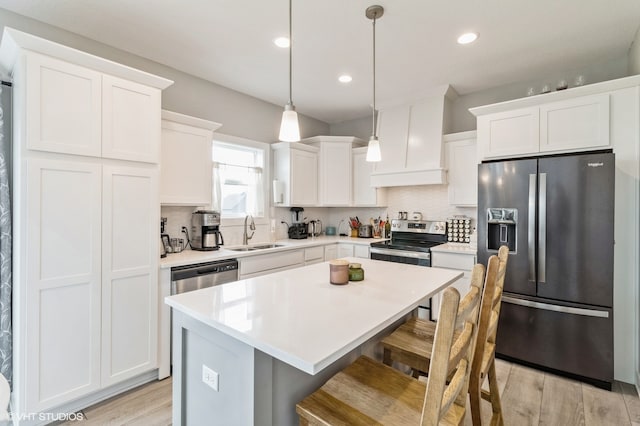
(89, 400)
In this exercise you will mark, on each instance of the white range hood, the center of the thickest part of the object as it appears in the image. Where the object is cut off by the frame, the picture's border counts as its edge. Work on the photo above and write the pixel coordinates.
(410, 136)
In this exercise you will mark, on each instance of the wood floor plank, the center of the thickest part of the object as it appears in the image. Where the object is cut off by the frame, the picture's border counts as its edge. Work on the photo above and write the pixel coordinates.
(522, 396)
(603, 408)
(561, 402)
(631, 400)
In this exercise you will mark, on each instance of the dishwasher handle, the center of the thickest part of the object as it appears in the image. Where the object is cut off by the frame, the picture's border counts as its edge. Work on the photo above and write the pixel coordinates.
(190, 271)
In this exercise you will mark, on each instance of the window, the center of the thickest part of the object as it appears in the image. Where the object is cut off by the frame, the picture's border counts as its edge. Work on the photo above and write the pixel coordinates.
(238, 184)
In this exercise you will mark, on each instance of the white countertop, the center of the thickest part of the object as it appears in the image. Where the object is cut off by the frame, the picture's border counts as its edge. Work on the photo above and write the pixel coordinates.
(298, 317)
(187, 257)
(455, 248)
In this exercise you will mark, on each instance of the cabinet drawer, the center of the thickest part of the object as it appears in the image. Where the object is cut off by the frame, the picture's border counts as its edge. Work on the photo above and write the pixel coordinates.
(460, 261)
(266, 262)
(313, 253)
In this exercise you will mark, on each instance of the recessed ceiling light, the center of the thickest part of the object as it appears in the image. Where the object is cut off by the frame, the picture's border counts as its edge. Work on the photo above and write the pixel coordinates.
(345, 78)
(467, 38)
(282, 42)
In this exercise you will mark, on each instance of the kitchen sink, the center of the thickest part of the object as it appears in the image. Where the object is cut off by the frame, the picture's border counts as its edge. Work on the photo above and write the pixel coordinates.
(257, 247)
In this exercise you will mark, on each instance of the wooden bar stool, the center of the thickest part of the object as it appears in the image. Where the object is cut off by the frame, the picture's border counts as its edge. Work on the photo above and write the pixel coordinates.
(370, 393)
(411, 343)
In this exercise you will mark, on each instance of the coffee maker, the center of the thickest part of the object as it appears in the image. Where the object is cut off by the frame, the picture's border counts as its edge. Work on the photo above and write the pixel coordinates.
(298, 229)
(205, 230)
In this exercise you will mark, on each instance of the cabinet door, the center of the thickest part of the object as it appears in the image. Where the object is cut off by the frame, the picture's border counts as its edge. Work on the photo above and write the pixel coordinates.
(304, 178)
(129, 272)
(130, 120)
(330, 252)
(185, 177)
(345, 250)
(462, 285)
(393, 128)
(63, 107)
(61, 294)
(463, 172)
(361, 251)
(509, 133)
(363, 193)
(335, 175)
(580, 123)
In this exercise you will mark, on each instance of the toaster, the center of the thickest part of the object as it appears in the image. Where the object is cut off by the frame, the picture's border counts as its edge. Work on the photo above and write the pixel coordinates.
(365, 231)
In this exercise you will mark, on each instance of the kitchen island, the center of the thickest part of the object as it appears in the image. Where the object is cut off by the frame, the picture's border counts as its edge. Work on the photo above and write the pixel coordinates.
(264, 343)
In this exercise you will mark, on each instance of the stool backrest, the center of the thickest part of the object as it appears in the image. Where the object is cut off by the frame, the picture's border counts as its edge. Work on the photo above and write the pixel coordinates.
(451, 354)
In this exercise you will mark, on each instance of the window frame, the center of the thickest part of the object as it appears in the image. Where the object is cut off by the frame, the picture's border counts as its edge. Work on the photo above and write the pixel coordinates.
(266, 175)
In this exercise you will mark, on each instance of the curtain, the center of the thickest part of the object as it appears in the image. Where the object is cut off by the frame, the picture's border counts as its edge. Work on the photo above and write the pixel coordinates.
(6, 356)
(255, 204)
(216, 199)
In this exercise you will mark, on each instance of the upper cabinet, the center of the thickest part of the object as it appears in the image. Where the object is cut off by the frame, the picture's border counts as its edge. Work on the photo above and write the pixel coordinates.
(365, 195)
(462, 163)
(411, 141)
(295, 174)
(573, 120)
(186, 169)
(76, 110)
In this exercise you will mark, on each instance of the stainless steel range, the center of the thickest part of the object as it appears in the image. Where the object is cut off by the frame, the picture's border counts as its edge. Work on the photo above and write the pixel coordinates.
(411, 241)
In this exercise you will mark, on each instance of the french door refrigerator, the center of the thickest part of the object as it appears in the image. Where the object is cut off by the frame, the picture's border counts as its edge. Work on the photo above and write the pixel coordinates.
(556, 216)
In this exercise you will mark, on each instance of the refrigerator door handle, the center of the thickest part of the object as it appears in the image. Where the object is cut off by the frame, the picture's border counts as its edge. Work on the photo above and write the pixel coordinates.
(531, 234)
(542, 231)
(556, 308)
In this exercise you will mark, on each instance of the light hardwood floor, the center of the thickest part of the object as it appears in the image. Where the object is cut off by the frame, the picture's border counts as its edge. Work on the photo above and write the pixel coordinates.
(529, 397)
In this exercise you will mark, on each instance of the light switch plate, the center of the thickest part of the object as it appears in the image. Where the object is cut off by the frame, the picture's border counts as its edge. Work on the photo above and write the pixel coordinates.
(210, 377)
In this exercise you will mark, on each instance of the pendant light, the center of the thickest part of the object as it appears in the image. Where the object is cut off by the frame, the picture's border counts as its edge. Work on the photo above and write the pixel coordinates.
(289, 129)
(373, 149)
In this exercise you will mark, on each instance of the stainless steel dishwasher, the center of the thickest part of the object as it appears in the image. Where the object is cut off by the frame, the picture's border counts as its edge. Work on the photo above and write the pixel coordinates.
(203, 275)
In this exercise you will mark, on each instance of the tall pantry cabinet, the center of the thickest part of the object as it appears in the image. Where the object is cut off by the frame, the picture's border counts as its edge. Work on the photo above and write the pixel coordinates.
(86, 213)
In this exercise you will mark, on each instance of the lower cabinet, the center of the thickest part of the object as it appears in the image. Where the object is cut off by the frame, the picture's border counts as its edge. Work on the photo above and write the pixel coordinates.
(313, 255)
(353, 250)
(452, 260)
(87, 294)
(254, 266)
(331, 252)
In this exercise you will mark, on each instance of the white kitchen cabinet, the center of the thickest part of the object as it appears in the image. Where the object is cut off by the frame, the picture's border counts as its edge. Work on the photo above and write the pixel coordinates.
(365, 195)
(460, 261)
(64, 106)
(186, 169)
(330, 252)
(295, 173)
(313, 255)
(61, 303)
(84, 297)
(580, 123)
(77, 110)
(573, 123)
(268, 263)
(130, 120)
(353, 250)
(462, 164)
(129, 272)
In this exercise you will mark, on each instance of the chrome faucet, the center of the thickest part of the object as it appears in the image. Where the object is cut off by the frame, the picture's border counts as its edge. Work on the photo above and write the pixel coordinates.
(252, 226)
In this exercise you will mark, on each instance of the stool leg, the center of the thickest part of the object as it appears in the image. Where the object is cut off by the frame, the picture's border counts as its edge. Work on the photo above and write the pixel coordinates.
(386, 357)
(496, 406)
(475, 400)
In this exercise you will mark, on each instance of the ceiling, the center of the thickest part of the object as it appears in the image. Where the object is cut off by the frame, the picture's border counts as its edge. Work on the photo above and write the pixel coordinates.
(230, 42)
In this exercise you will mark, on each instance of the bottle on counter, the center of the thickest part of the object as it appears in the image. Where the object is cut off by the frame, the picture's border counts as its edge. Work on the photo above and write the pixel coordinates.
(387, 228)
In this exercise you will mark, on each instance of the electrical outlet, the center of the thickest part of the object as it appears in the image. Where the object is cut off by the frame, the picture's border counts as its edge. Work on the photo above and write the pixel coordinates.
(210, 377)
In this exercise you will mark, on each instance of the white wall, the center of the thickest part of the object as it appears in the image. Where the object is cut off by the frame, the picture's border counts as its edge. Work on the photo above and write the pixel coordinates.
(240, 114)
(634, 55)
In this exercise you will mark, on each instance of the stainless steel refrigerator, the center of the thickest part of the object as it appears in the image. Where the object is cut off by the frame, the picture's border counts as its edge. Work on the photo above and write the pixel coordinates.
(556, 216)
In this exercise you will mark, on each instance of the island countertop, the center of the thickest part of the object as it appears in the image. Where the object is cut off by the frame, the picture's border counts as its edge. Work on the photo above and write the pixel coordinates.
(298, 317)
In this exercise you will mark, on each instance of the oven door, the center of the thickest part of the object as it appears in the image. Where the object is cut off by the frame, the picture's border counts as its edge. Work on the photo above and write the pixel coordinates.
(401, 256)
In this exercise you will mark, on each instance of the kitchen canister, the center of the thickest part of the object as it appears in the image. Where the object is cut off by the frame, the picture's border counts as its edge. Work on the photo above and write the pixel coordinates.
(330, 230)
(338, 272)
(356, 273)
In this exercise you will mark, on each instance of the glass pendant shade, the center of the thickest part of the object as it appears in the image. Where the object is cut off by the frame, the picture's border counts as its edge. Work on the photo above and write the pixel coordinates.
(289, 129)
(373, 150)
